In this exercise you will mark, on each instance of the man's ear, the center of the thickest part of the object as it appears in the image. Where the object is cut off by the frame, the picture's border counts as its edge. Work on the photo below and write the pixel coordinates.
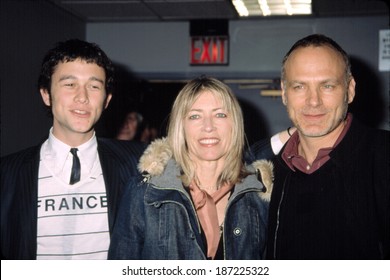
(45, 96)
(108, 99)
(351, 90)
(284, 100)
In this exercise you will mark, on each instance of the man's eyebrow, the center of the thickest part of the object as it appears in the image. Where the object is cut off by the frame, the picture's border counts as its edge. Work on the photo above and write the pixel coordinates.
(295, 82)
(67, 77)
(335, 81)
(71, 77)
(96, 79)
(327, 80)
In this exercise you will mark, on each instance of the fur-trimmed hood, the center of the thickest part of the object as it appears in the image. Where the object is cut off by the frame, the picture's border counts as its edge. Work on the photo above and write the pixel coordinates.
(158, 153)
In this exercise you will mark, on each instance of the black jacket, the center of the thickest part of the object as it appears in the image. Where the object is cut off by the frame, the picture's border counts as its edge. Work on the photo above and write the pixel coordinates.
(342, 210)
(19, 190)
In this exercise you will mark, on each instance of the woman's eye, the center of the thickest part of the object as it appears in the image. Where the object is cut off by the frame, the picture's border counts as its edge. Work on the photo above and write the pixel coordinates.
(221, 115)
(194, 117)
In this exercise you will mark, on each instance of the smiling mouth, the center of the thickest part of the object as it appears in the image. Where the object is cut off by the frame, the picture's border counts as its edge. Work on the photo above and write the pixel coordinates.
(80, 112)
(313, 116)
(209, 141)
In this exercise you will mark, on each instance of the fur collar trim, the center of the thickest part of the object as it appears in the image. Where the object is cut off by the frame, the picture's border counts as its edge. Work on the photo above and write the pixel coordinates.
(158, 153)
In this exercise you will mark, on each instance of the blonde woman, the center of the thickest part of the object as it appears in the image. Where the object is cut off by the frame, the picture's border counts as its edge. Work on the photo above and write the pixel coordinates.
(196, 198)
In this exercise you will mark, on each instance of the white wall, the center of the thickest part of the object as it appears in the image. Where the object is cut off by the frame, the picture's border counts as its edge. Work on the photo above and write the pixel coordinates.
(255, 45)
(161, 50)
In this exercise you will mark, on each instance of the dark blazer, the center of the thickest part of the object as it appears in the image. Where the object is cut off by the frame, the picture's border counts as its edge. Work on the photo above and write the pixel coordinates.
(19, 190)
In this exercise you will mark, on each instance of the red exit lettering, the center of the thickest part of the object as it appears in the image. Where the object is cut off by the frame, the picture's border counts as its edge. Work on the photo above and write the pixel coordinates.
(209, 50)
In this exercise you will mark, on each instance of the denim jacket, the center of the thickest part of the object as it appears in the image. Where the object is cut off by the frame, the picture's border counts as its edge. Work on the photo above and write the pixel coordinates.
(157, 219)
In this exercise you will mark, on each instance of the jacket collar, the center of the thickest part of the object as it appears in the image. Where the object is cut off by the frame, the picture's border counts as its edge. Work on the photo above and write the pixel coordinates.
(159, 168)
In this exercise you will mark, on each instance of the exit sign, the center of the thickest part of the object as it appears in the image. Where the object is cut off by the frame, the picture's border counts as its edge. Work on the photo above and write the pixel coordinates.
(209, 50)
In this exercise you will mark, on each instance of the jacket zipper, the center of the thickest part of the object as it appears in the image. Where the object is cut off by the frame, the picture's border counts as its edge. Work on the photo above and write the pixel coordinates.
(278, 218)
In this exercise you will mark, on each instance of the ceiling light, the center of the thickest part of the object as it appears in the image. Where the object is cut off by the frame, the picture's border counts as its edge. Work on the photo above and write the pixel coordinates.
(248, 8)
(240, 8)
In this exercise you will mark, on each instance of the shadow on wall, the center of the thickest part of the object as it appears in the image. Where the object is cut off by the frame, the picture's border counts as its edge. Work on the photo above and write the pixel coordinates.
(368, 105)
(255, 126)
(153, 100)
(125, 96)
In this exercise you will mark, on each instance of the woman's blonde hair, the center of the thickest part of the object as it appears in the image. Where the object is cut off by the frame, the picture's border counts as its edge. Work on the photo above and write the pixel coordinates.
(234, 168)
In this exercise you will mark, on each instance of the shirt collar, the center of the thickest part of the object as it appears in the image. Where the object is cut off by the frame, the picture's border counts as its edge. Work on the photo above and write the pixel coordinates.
(294, 160)
(57, 152)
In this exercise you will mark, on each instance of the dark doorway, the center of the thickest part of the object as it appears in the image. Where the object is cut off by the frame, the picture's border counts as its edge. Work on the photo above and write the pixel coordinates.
(153, 100)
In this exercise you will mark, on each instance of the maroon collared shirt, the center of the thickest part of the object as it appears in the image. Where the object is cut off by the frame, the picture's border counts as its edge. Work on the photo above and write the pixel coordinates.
(295, 161)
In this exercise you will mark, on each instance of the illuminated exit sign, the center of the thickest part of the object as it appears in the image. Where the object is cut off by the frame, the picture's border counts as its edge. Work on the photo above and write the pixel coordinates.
(209, 50)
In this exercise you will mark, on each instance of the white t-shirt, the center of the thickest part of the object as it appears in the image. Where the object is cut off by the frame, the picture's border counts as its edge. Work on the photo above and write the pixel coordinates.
(72, 219)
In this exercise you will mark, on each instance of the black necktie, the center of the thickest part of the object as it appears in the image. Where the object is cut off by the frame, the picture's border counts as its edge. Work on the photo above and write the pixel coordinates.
(75, 175)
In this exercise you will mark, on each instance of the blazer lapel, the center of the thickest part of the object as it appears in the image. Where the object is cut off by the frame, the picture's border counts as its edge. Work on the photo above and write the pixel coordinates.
(26, 200)
(112, 180)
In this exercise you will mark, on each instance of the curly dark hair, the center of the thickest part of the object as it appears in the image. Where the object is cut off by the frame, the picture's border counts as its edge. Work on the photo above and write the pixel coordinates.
(71, 50)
